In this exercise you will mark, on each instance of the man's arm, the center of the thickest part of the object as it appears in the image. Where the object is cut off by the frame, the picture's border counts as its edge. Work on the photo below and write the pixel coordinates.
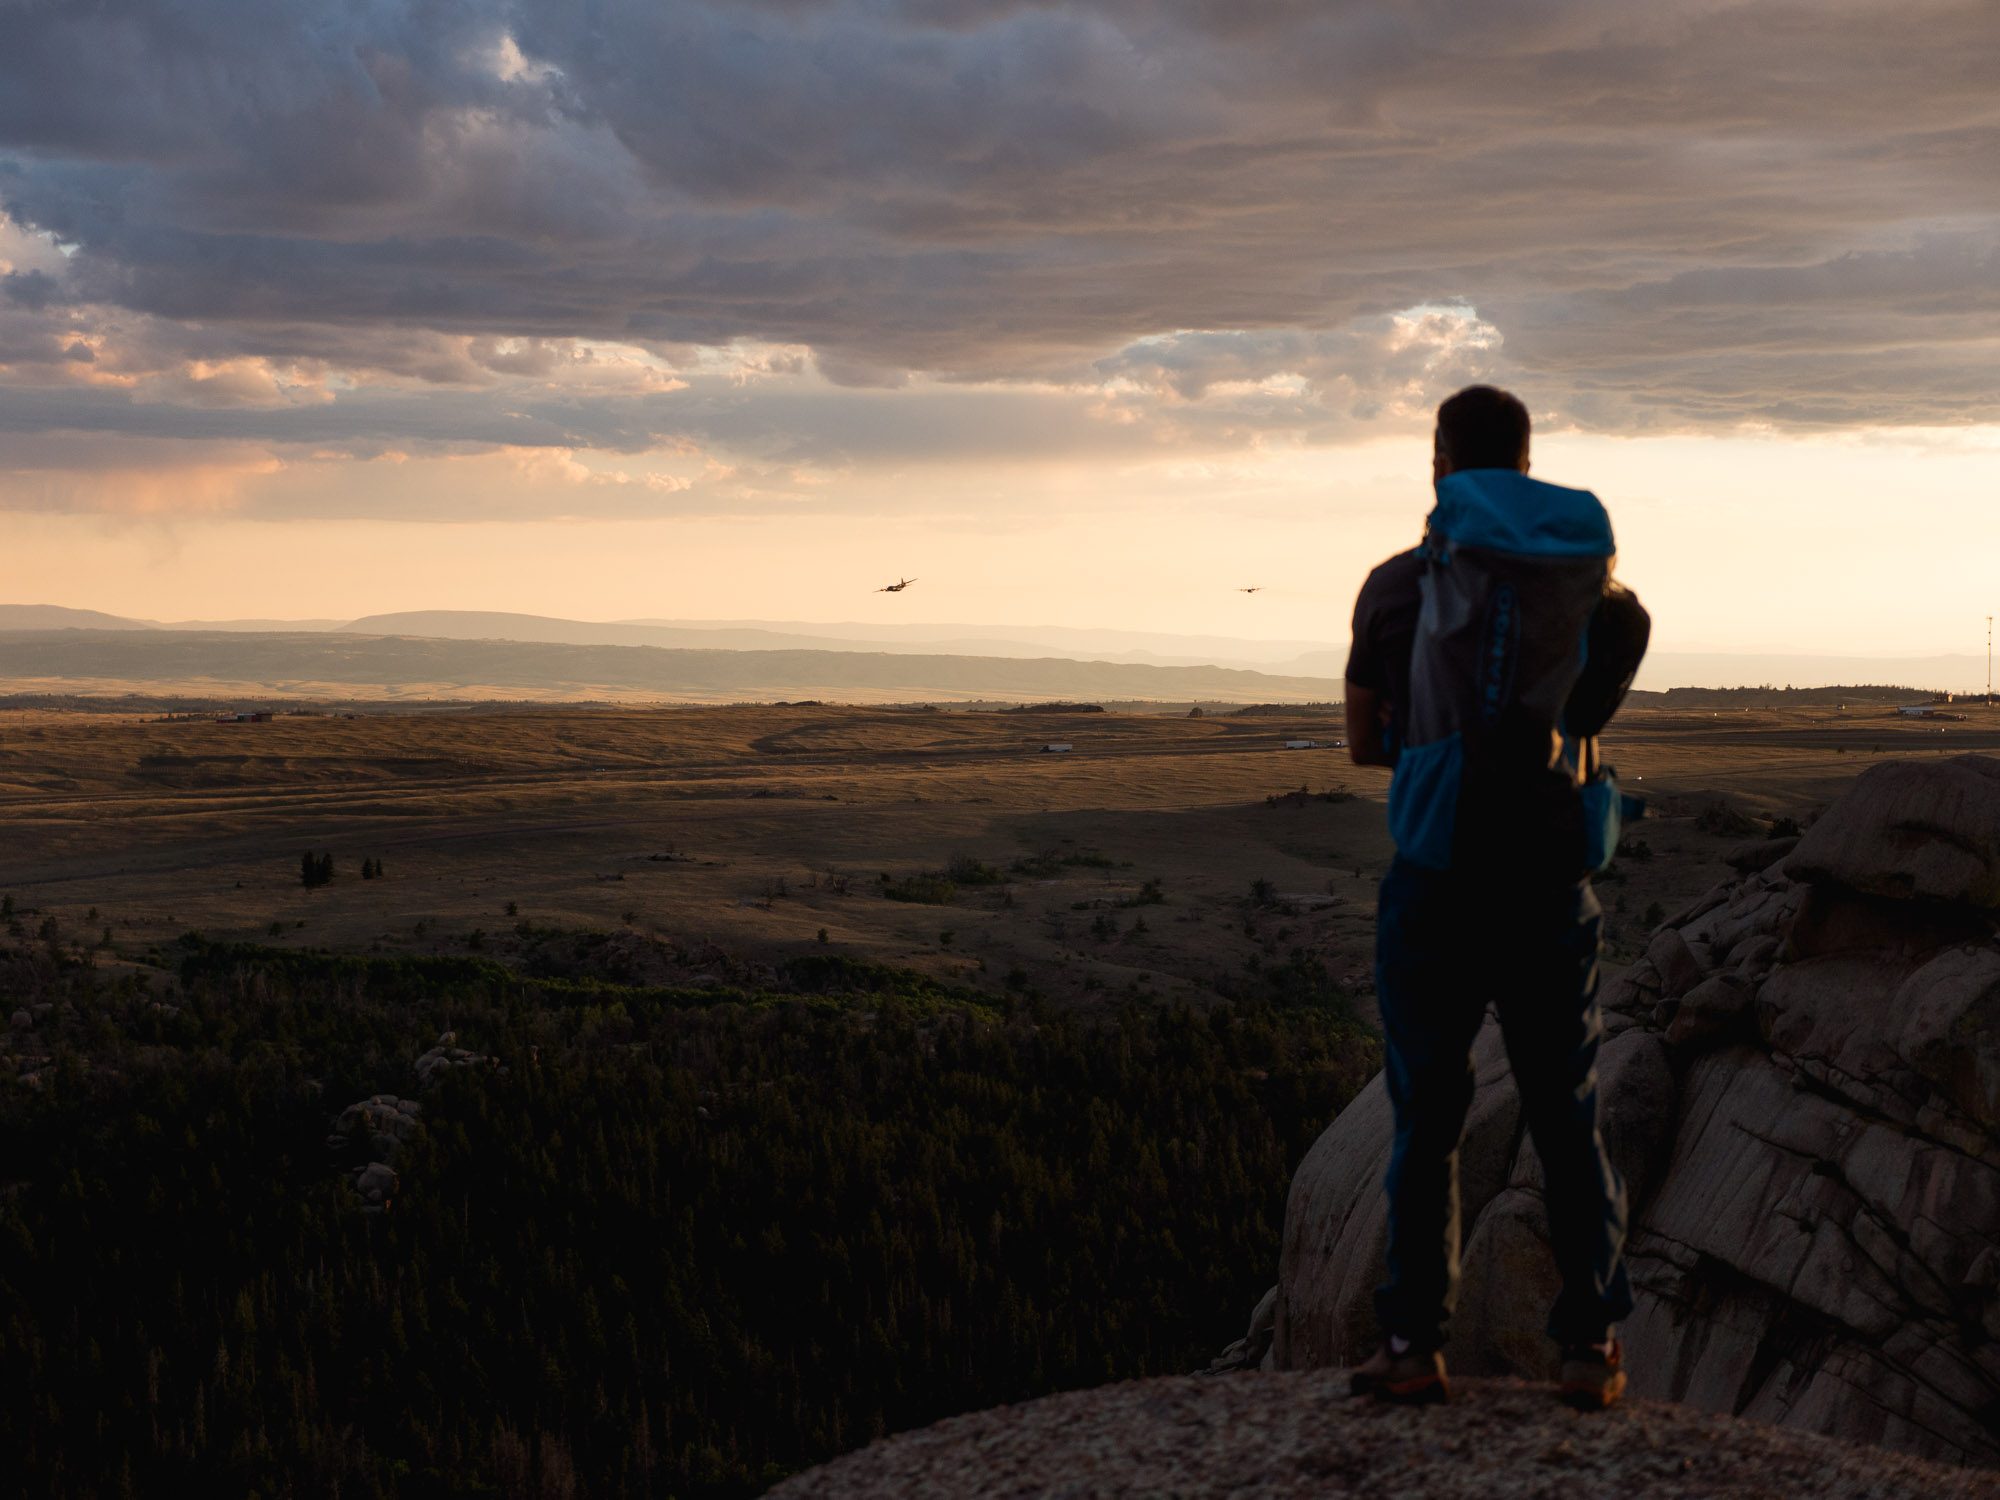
(1378, 660)
(1364, 727)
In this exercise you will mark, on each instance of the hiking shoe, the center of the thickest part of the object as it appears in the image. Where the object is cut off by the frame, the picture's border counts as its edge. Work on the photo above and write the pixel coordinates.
(1413, 1378)
(1591, 1379)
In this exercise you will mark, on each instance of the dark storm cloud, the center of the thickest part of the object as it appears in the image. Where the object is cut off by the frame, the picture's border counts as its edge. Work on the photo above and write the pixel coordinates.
(389, 222)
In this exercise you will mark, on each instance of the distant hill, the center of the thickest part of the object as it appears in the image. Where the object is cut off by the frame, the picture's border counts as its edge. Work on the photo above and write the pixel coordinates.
(56, 617)
(250, 626)
(1026, 642)
(1157, 648)
(495, 625)
(296, 665)
(1717, 669)
(1663, 669)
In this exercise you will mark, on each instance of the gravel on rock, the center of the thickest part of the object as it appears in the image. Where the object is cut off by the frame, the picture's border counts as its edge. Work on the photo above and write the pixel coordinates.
(1290, 1436)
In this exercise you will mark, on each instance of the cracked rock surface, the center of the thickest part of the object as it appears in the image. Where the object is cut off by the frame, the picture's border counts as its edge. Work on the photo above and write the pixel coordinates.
(1801, 1086)
(1292, 1436)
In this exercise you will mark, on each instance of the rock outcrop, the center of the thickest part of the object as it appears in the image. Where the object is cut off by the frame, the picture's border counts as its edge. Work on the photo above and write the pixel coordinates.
(379, 1123)
(1915, 831)
(444, 1057)
(1801, 1085)
(365, 1138)
(1299, 1437)
(367, 1135)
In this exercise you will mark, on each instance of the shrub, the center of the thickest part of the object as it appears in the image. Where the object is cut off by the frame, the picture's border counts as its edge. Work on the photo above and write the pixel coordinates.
(1721, 818)
(1053, 862)
(964, 870)
(922, 890)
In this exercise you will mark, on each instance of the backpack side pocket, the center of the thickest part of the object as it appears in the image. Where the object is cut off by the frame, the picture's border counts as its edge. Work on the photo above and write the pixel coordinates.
(1423, 801)
(1603, 820)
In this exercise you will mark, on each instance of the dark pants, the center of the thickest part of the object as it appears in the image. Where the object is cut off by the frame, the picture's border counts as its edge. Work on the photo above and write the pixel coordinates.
(1447, 946)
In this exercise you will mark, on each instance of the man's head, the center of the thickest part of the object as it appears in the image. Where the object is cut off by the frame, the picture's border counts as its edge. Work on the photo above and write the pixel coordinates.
(1480, 428)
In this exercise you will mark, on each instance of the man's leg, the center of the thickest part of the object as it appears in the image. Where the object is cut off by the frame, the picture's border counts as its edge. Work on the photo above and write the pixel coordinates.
(1549, 1016)
(1431, 1010)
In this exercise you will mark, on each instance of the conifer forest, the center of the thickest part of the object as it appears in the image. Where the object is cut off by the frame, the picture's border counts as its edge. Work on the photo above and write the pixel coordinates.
(629, 1240)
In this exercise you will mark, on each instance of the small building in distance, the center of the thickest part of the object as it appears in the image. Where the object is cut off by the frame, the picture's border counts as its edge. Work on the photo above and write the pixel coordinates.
(1054, 749)
(1302, 744)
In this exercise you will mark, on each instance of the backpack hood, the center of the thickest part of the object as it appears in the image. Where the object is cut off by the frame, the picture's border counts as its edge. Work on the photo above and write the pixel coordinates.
(1507, 511)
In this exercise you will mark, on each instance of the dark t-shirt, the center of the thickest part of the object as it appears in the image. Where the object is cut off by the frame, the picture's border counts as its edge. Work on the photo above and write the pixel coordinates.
(1385, 626)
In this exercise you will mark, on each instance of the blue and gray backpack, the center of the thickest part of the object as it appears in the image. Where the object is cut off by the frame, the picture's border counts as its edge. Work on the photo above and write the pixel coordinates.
(1516, 576)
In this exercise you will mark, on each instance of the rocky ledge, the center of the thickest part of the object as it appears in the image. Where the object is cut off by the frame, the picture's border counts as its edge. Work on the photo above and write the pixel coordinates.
(1802, 1089)
(1281, 1436)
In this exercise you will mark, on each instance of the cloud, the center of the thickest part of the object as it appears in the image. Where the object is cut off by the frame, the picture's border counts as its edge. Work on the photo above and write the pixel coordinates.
(781, 230)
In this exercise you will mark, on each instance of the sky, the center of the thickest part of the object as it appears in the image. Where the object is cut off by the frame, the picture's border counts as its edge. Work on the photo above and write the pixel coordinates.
(1084, 315)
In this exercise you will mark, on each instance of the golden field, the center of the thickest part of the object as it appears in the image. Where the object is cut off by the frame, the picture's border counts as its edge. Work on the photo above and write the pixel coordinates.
(749, 831)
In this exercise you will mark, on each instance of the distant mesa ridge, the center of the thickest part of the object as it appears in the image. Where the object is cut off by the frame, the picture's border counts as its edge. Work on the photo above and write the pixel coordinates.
(1137, 648)
(1298, 657)
(342, 665)
(1321, 662)
(60, 617)
(56, 617)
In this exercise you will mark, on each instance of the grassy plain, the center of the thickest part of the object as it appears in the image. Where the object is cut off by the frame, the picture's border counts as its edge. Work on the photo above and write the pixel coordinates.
(1150, 860)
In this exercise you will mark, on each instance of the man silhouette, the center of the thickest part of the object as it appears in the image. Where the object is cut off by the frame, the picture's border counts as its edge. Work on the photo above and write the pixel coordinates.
(1484, 664)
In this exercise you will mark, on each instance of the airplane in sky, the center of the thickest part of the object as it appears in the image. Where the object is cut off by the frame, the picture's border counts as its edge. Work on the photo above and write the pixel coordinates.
(1257, 589)
(896, 588)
